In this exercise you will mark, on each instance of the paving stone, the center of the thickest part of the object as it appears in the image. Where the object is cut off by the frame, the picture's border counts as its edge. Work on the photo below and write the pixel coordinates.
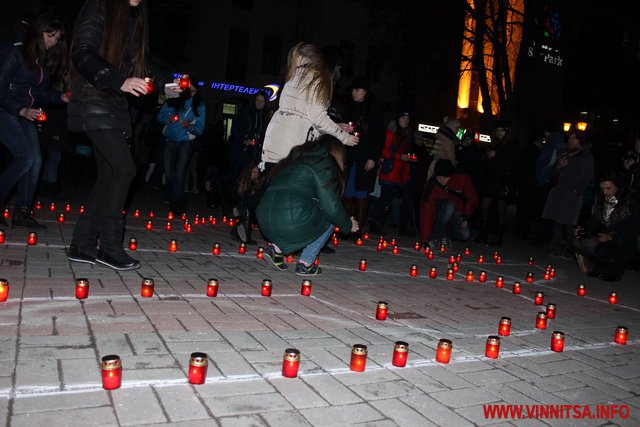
(494, 376)
(464, 397)
(234, 388)
(242, 421)
(385, 390)
(436, 412)
(285, 418)
(137, 406)
(331, 389)
(400, 413)
(358, 413)
(181, 403)
(239, 405)
(102, 416)
(60, 402)
(298, 393)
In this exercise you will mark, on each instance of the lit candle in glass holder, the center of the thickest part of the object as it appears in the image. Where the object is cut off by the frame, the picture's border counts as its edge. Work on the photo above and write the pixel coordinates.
(149, 225)
(400, 354)
(443, 248)
(242, 249)
(458, 257)
(492, 348)
(430, 255)
(385, 244)
(290, 363)
(168, 227)
(416, 246)
(469, 276)
(52, 207)
(170, 216)
(621, 335)
(212, 287)
(365, 236)
(496, 254)
(136, 213)
(393, 242)
(212, 220)
(546, 275)
(541, 320)
(443, 352)
(183, 216)
(450, 274)
(529, 278)
(499, 260)
(481, 259)
(413, 272)
(32, 238)
(358, 241)
(216, 249)
(265, 289)
(188, 227)
(60, 218)
(111, 372)
(381, 310)
(613, 297)
(467, 251)
(395, 250)
(504, 327)
(452, 259)
(184, 82)
(557, 341)
(82, 288)
(38, 207)
(582, 290)
(335, 241)
(133, 244)
(363, 265)
(483, 277)
(146, 289)
(358, 361)
(336, 229)
(2, 236)
(530, 261)
(150, 85)
(151, 215)
(198, 364)
(552, 272)
(379, 247)
(290, 258)
(455, 267)
(173, 245)
(551, 310)
(433, 272)
(305, 289)
(499, 282)
(538, 298)
(260, 253)
(4, 290)
(81, 209)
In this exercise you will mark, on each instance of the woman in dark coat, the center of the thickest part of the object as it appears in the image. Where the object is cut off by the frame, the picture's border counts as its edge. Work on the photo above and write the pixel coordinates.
(109, 54)
(24, 81)
(302, 204)
(362, 159)
(608, 240)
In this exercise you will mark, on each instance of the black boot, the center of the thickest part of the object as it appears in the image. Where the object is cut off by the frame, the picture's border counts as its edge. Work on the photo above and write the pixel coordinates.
(496, 240)
(111, 252)
(22, 218)
(483, 237)
(84, 245)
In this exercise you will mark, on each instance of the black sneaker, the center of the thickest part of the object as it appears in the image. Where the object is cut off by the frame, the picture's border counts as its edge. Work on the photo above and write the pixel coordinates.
(274, 258)
(75, 254)
(303, 270)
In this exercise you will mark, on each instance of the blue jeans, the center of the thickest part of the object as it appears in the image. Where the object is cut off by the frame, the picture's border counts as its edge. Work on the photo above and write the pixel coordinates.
(448, 223)
(177, 156)
(311, 251)
(50, 169)
(350, 190)
(21, 139)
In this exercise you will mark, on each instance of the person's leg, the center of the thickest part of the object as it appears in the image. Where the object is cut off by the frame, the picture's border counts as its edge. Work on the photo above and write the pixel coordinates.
(502, 218)
(306, 264)
(183, 157)
(18, 141)
(406, 209)
(170, 156)
(455, 230)
(444, 211)
(386, 193)
(485, 204)
(50, 168)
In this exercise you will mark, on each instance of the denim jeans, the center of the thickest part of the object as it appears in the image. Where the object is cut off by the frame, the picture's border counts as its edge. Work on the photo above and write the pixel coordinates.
(50, 168)
(21, 139)
(448, 223)
(311, 251)
(176, 161)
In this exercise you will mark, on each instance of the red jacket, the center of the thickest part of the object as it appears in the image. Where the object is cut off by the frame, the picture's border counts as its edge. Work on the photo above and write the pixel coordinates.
(400, 172)
(458, 183)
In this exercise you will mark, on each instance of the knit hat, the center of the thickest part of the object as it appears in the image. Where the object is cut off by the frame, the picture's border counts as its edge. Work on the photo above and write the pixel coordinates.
(402, 112)
(443, 167)
(360, 83)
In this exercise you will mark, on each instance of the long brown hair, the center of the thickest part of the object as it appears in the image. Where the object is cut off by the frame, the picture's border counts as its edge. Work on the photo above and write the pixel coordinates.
(35, 52)
(306, 59)
(116, 37)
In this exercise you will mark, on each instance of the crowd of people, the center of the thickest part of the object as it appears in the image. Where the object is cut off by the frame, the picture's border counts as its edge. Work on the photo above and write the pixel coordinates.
(310, 167)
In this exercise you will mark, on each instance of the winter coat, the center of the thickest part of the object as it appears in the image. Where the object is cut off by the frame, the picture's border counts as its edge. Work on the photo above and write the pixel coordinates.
(300, 202)
(400, 172)
(250, 123)
(565, 198)
(97, 103)
(20, 86)
(173, 130)
(299, 119)
(458, 190)
(499, 170)
(369, 121)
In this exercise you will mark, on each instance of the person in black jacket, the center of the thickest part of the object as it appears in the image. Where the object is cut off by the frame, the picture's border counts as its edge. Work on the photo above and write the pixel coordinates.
(24, 81)
(109, 54)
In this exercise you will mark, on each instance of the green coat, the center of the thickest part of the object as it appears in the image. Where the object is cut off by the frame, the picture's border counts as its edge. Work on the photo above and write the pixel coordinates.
(299, 206)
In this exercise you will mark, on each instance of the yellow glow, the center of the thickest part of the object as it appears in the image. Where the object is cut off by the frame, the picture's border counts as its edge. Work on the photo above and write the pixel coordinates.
(464, 86)
(582, 126)
(566, 127)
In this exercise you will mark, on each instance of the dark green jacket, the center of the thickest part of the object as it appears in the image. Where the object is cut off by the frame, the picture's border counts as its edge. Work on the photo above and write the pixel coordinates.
(299, 206)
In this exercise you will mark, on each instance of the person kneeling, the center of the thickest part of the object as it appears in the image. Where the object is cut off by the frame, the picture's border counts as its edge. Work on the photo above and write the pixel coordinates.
(302, 203)
(448, 200)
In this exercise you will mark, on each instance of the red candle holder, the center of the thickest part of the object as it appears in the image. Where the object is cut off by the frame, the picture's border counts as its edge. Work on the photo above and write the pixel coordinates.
(455, 267)
(52, 207)
(111, 372)
(538, 298)
(499, 260)
(365, 236)
(450, 274)
(32, 238)
(443, 248)
(395, 250)
(496, 254)
(133, 244)
(541, 320)
(379, 247)
(335, 241)
(290, 258)
(385, 244)
(552, 272)
(67, 208)
(168, 227)
(363, 265)
(427, 251)
(358, 358)
(336, 229)
(150, 85)
(173, 245)
(4, 290)
(613, 297)
(81, 209)
(184, 82)
(358, 241)
(305, 289)
(149, 225)
(152, 215)
(413, 272)
(621, 335)
(183, 216)
(452, 259)
(60, 218)
(492, 348)
(170, 216)
(265, 289)
(430, 255)
(198, 364)
(212, 288)
(224, 219)
(582, 290)
(316, 262)
(551, 310)
(82, 288)
(557, 341)
(260, 253)
(530, 261)
(242, 249)
(146, 289)
(517, 288)
(443, 352)
(504, 327)
(381, 310)
(290, 363)
(38, 207)
(416, 246)
(400, 354)
(483, 277)
(189, 227)
(433, 272)
(216, 249)
(467, 251)
(481, 259)
(393, 242)
(529, 278)
(469, 277)
(2, 236)
(546, 275)
(136, 213)
(499, 282)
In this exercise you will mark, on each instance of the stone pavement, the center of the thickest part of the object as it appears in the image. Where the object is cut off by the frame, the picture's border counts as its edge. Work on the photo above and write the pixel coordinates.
(51, 343)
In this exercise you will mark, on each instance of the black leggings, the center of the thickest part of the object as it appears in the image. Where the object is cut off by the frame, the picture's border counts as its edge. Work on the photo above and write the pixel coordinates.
(115, 171)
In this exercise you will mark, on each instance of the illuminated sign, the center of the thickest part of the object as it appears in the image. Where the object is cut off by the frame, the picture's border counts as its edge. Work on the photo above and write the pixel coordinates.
(271, 89)
(482, 137)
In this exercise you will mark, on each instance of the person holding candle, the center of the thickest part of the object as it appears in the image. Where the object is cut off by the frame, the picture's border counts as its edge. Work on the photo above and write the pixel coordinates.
(110, 59)
(24, 81)
(301, 206)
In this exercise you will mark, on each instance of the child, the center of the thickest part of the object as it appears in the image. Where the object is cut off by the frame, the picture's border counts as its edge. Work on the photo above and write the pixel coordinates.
(250, 190)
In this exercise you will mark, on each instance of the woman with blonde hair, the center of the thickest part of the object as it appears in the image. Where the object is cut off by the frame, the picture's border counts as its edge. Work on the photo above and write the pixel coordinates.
(304, 101)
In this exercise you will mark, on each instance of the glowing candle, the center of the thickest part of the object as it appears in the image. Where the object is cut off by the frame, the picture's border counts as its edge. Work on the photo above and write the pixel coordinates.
(170, 216)
(455, 267)
(467, 251)
(111, 372)
(32, 238)
(552, 272)
(481, 259)
(365, 236)
(168, 227)
(452, 259)
(530, 261)
(136, 213)
(67, 208)
(242, 249)
(395, 250)
(393, 242)
(400, 353)
(260, 253)
(82, 288)
(450, 274)
(541, 320)
(2, 236)
(443, 352)
(4, 290)
(358, 358)
(430, 255)
(469, 276)
(216, 249)
(335, 241)
(380, 247)
(60, 218)
(443, 248)
(363, 265)
(81, 209)
(52, 207)
(188, 227)
(290, 363)
(582, 290)
(265, 289)
(613, 297)
(557, 341)
(305, 289)
(358, 241)
(551, 310)
(149, 226)
(173, 245)
(184, 82)
(483, 277)
(538, 298)
(529, 278)
(146, 289)
(381, 310)
(433, 272)
(198, 364)
(212, 288)
(413, 272)
(416, 246)
(38, 207)
(133, 244)
(504, 327)
(621, 335)
(492, 348)
(499, 282)
(546, 275)
(496, 254)
(289, 258)
(499, 260)
(385, 244)
(183, 216)
(151, 214)
(150, 86)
